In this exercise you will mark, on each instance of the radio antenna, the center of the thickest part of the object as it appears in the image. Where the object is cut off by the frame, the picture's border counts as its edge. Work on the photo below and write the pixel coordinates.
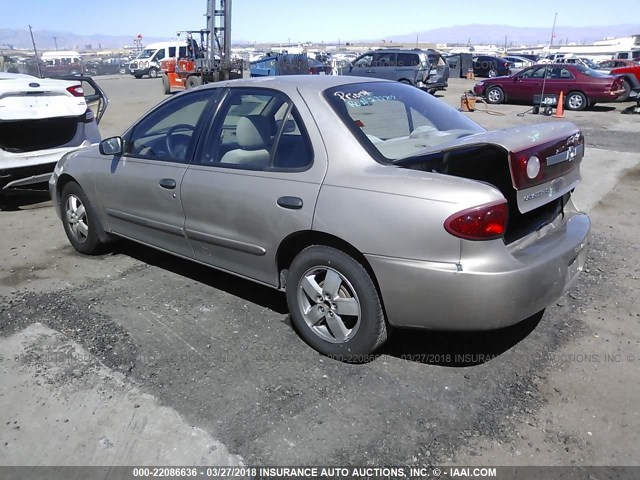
(546, 69)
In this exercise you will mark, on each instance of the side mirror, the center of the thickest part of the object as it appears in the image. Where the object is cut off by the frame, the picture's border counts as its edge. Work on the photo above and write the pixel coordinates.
(111, 146)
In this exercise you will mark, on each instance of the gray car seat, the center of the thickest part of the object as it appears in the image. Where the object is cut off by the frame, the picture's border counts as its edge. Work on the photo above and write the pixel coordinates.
(253, 134)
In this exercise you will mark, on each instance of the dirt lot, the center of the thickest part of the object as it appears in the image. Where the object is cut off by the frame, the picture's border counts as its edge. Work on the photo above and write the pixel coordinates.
(138, 357)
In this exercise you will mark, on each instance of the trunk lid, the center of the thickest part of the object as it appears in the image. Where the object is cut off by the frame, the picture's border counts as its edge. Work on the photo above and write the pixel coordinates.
(30, 98)
(559, 147)
(500, 158)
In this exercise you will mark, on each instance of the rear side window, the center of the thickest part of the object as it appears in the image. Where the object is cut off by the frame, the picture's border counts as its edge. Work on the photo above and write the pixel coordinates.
(258, 130)
(408, 60)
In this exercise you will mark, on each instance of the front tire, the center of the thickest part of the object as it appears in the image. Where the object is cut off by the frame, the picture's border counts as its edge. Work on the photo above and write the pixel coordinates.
(193, 81)
(79, 220)
(166, 86)
(335, 305)
(153, 73)
(494, 95)
(576, 101)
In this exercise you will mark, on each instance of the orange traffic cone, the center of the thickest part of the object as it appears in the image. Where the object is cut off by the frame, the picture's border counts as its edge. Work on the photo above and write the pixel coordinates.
(560, 107)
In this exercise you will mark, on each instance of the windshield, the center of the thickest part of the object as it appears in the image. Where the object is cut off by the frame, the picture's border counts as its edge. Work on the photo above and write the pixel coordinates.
(395, 121)
(146, 53)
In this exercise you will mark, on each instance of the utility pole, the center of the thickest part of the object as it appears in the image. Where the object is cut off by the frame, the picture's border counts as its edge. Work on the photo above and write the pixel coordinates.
(35, 51)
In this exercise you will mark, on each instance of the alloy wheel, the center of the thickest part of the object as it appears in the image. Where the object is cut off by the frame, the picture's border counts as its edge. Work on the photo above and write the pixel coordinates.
(76, 217)
(329, 304)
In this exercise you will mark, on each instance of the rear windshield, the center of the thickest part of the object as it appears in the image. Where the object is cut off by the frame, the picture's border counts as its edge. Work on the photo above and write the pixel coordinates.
(589, 72)
(396, 121)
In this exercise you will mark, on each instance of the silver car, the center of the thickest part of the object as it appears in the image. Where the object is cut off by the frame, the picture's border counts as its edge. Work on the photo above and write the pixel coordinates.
(371, 203)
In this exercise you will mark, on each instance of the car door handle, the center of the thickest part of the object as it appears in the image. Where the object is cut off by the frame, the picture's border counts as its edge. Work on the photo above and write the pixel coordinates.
(292, 203)
(168, 183)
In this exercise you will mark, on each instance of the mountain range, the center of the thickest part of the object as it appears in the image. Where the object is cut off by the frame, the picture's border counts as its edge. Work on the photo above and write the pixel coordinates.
(478, 34)
(495, 34)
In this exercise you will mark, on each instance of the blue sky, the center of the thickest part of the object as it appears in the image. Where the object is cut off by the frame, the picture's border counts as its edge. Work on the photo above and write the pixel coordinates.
(301, 20)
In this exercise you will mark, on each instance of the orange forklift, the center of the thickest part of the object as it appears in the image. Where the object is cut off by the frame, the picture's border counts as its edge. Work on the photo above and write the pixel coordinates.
(207, 61)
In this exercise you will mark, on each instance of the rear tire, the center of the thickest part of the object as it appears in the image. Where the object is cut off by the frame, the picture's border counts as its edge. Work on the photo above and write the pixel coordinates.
(494, 95)
(492, 73)
(627, 91)
(576, 101)
(79, 219)
(335, 305)
(153, 73)
(137, 75)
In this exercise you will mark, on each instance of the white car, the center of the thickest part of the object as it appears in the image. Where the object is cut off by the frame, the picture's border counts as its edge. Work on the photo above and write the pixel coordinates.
(41, 119)
(519, 62)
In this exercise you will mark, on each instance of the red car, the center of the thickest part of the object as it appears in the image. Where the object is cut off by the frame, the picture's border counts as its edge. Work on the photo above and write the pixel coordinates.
(631, 79)
(582, 86)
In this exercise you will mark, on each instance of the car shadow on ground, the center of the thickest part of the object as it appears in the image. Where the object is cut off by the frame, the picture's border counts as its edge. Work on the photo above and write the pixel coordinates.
(457, 349)
(14, 201)
(600, 108)
(450, 349)
(252, 292)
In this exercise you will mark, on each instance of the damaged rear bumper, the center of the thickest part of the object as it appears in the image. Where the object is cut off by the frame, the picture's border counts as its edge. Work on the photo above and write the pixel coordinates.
(492, 287)
(25, 171)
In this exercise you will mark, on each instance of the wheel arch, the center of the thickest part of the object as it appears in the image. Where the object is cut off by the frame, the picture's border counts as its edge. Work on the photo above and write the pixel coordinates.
(630, 78)
(293, 244)
(63, 181)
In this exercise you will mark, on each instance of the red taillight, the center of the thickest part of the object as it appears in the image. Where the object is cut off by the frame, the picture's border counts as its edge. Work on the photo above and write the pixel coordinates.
(76, 91)
(537, 165)
(486, 222)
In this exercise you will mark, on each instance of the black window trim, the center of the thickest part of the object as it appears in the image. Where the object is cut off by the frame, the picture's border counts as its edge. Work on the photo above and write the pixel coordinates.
(209, 135)
(197, 132)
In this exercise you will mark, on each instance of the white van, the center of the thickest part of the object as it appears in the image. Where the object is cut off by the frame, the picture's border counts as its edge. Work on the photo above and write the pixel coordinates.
(148, 60)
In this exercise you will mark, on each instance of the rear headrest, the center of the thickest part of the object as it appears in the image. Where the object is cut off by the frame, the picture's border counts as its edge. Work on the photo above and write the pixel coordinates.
(253, 132)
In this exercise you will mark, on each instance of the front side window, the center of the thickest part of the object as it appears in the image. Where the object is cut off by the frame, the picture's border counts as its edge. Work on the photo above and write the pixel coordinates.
(395, 121)
(365, 61)
(258, 130)
(167, 133)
